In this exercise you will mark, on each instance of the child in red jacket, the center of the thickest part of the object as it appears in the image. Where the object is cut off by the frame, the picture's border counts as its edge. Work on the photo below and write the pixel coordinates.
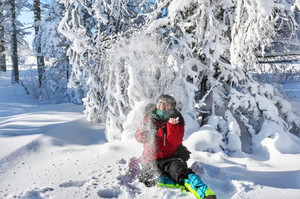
(161, 133)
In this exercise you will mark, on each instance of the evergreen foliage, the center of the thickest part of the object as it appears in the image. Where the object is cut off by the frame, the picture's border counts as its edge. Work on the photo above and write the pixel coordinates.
(200, 52)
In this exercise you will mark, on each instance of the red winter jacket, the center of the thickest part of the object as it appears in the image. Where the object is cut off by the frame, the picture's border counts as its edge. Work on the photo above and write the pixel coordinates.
(164, 146)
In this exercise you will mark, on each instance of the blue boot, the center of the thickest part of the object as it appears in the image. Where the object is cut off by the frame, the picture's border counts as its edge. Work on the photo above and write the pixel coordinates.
(165, 181)
(195, 185)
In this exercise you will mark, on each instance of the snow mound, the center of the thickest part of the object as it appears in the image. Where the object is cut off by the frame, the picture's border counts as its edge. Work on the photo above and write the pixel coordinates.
(285, 143)
(33, 193)
(205, 139)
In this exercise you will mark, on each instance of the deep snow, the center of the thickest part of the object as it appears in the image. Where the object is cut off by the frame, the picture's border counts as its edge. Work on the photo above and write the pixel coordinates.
(51, 151)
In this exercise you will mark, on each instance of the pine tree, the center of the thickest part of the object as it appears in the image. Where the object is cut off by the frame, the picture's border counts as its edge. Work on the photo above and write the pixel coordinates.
(77, 25)
(14, 43)
(2, 42)
(40, 58)
(209, 48)
(201, 52)
(12, 35)
(93, 27)
(213, 46)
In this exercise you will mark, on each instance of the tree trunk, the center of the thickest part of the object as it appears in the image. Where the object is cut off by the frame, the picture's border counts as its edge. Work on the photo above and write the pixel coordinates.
(14, 43)
(2, 42)
(40, 58)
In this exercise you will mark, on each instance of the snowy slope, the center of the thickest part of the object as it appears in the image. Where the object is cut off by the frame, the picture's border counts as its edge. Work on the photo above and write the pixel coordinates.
(51, 151)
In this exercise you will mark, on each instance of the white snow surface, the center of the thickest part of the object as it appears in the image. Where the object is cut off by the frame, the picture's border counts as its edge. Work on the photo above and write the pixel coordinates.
(51, 151)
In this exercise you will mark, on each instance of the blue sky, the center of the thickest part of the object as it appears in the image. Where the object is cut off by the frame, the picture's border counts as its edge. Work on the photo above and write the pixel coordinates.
(26, 17)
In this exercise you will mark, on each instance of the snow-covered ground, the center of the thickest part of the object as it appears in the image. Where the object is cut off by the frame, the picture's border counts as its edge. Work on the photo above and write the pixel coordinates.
(51, 151)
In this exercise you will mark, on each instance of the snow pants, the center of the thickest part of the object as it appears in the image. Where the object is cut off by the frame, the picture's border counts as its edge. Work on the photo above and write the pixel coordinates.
(176, 168)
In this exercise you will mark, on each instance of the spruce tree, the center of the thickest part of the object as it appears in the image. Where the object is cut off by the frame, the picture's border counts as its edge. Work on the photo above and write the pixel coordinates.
(14, 43)
(201, 52)
(40, 58)
(2, 42)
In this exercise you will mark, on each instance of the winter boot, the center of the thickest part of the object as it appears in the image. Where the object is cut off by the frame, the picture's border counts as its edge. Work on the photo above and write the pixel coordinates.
(165, 181)
(195, 185)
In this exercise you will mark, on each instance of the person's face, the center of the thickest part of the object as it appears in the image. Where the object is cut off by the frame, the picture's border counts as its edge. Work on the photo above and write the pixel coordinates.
(164, 104)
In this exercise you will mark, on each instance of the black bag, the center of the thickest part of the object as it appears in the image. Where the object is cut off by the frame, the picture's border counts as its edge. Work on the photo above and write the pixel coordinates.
(183, 153)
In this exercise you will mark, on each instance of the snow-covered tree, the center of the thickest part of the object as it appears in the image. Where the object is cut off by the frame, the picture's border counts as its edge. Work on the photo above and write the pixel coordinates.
(77, 25)
(11, 34)
(278, 63)
(53, 47)
(92, 26)
(14, 42)
(224, 39)
(285, 44)
(200, 52)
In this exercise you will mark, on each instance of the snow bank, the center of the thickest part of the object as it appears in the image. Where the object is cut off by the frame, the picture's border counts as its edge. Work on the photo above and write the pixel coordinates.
(206, 139)
(284, 142)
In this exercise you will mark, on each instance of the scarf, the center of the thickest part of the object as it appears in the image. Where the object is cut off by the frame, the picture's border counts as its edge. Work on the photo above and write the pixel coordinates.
(164, 115)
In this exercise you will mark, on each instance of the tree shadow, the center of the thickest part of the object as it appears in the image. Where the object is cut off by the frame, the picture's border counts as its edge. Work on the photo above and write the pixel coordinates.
(78, 131)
